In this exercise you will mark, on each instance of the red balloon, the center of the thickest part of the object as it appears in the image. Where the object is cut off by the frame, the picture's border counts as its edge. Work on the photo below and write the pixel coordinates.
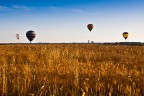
(90, 27)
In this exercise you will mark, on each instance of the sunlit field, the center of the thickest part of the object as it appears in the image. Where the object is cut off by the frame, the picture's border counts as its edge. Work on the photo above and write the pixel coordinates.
(71, 70)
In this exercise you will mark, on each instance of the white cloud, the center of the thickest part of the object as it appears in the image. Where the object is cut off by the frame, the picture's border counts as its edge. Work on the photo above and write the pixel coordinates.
(53, 7)
(4, 8)
(17, 7)
(77, 10)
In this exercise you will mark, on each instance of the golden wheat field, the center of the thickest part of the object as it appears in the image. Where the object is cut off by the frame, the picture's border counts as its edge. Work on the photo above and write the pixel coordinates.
(71, 70)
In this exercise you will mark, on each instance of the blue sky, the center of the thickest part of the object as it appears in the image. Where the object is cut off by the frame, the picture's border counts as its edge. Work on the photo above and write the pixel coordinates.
(66, 20)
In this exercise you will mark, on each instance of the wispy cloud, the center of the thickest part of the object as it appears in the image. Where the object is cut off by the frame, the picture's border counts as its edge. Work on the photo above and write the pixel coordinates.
(53, 7)
(77, 10)
(4, 8)
(17, 7)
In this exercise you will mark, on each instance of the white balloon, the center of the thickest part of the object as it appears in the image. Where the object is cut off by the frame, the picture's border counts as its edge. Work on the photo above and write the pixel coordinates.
(18, 36)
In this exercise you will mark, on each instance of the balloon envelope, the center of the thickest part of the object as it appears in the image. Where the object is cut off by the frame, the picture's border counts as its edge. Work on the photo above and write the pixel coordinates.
(30, 35)
(90, 27)
(125, 35)
(18, 36)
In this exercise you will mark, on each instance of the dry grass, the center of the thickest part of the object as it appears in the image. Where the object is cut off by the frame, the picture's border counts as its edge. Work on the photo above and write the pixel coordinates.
(71, 70)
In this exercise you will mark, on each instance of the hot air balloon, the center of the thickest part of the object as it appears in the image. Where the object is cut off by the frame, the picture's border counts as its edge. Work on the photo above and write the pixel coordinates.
(90, 27)
(18, 36)
(30, 35)
(125, 35)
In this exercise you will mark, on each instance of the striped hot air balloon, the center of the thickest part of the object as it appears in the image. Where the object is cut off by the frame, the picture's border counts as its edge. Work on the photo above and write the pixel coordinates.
(30, 35)
(90, 27)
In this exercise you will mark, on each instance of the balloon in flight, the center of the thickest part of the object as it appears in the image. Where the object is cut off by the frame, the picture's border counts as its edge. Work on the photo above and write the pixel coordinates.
(30, 35)
(18, 36)
(125, 35)
(90, 27)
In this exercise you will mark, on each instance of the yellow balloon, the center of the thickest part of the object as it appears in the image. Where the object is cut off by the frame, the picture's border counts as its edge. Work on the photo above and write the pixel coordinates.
(125, 35)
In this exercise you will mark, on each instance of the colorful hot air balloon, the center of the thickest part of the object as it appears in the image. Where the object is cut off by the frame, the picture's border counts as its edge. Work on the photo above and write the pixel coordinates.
(30, 35)
(18, 36)
(125, 35)
(90, 27)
